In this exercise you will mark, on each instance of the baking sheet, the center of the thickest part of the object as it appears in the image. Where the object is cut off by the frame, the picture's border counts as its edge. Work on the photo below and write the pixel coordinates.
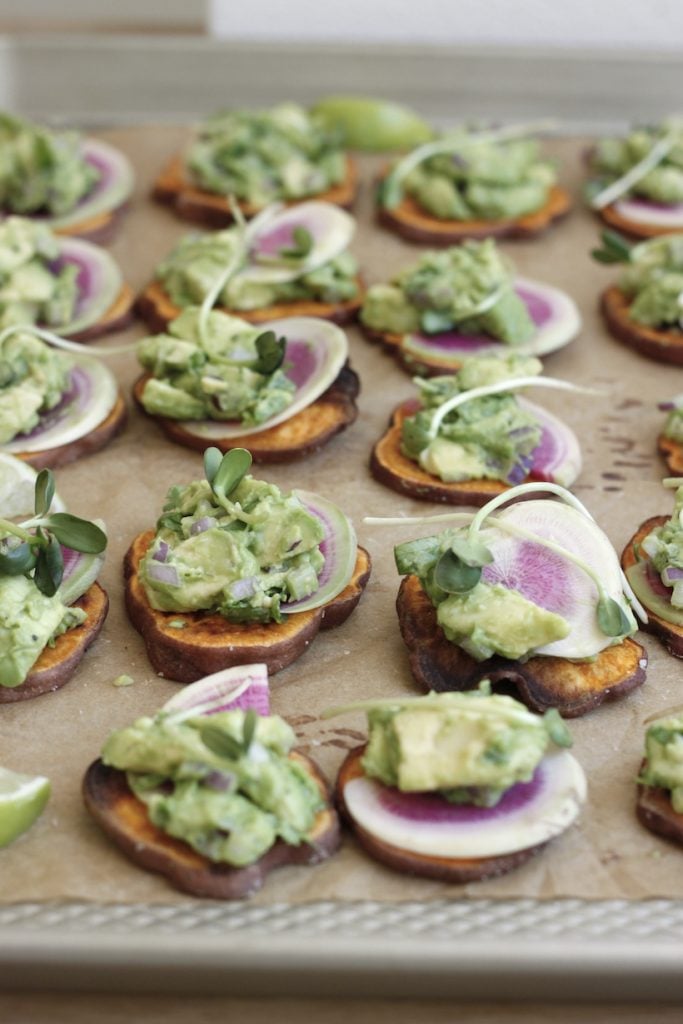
(607, 854)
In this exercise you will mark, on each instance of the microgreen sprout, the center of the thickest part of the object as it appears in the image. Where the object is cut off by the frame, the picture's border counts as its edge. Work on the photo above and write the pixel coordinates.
(225, 745)
(615, 249)
(38, 553)
(225, 472)
(619, 187)
(58, 342)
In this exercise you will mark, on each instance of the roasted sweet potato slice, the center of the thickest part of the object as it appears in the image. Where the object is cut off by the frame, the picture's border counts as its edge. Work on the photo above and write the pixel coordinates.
(574, 688)
(637, 229)
(207, 642)
(391, 467)
(175, 188)
(124, 818)
(112, 425)
(411, 221)
(155, 307)
(295, 438)
(57, 664)
(669, 633)
(655, 811)
(673, 454)
(118, 316)
(442, 869)
(663, 345)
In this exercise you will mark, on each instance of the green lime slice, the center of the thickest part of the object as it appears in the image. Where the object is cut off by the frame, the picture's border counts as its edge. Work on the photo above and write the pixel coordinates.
(22, 799)
(373, 124)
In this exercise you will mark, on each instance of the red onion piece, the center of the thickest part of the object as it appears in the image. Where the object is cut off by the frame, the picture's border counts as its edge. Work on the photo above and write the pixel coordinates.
(167, 574)
(203, 524)
(161, 553)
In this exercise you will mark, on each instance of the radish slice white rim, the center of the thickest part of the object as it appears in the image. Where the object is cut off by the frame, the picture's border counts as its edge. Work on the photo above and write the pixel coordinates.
(111, 190)
(17, 488)
(527, 815)
(331, 230)
(243, 687)
(339, 546)
(89, 399)
(554, 313)
(315, 353)
(99, 282)
(646, 211)
(557, 456)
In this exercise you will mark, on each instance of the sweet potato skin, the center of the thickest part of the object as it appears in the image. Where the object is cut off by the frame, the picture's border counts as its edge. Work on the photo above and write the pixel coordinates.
(124, 818)
(669, 633)
(441, 869)
(672, 452)
(574, 688)
(655, 811)
(208, 642)
(57, 664)
(412, 222)
(662, 345)
(296, 438)
(107, 430)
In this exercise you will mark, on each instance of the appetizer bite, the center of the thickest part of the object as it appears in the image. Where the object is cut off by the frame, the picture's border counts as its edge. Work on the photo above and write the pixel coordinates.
(532, 597)
(239, 571)
(286, 262)
(51, 607)
(636, 182)
(468, 436)
(75, 186)
(62, 283)
(643, 308)
(282, 392)
(257, 157)
(653, 563)
(659, 805)
(210, 791)
(56, 404)
(465, 302)
(472, 184)
(459, 786)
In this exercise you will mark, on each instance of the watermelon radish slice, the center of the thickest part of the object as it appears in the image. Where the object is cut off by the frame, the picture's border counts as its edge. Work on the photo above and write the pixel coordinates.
(330, 228)
(652, 592)
(99, 282)
(339, 546)
(242, 687)
(557, 457)
(554, 313)
(646, 211)
(80, 572)
(551, 580)
(315, 353)
(91, 396)
(111, 191)
(528, 814)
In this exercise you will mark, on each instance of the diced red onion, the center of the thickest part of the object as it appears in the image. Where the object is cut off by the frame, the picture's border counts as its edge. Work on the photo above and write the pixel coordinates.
(666, 406)
(242, 589)
(161, 553)
(671, 575)
(222, 782)
(203, 524)
(167, 574)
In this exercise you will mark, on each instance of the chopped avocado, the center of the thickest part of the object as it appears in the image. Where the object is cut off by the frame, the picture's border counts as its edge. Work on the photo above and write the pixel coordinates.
(34, 287)
(28, 622)
(211, 374)
(225, 784)
(33, 378)
(41, 171)
(612, 158)
(664, 758)
(468, 288)
(664, 547)
(243, 557)
(265, 155)
(471, 747)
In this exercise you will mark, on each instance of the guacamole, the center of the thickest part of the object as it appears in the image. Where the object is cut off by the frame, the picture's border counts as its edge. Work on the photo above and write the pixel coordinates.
(611, 158)
(664, 758)
(664, 548)
(470, 747)
(41, 171)
(653, 281)
(487, 438)
(224, 783)
(218, 373)
(471, 175)
(468, 288)
(245, 555)
(190, 271)
(33, 378)
(35, 287)
(265, 155)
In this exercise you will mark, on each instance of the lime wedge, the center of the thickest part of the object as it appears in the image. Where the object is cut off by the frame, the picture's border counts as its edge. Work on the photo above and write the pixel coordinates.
(17, 482)
(22, 799)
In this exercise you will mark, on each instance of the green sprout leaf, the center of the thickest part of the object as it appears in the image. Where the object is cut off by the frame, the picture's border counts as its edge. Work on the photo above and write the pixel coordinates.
(270, 352)
(390, 193)
(302, 244)
(471, 551)
(556, 728)
(415, 436)
(212, 463)
(220, 743)
(612, 618)
(76, 533)
(49, 568)
(249, 729)
(17, 561)
(44, 492)
(454, 576)
(615, 248)
(234, 465)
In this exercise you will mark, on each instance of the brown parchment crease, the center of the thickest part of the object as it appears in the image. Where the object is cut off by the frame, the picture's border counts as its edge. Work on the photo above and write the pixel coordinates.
(607, 854)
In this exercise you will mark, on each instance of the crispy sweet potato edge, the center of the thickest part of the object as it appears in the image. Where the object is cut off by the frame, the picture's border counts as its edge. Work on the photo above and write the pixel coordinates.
(664, 346)
(669, 633)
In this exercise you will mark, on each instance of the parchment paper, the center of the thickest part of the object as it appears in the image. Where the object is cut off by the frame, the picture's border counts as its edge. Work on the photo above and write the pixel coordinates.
(607, 854)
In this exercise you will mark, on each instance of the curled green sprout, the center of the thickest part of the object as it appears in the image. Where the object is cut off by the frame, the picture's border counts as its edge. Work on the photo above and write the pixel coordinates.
(57, 341)
(617, 188)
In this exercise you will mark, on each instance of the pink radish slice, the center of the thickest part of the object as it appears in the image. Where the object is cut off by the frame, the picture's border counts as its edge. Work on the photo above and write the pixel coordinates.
(113, 188)
(555, 315)
(339, 548)
(99, 282)
(242, 687)
(330, 228)
(315, 353)
(551, 580)
(88, 401)
(528, 814)
(557, 457)
(646, 211)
